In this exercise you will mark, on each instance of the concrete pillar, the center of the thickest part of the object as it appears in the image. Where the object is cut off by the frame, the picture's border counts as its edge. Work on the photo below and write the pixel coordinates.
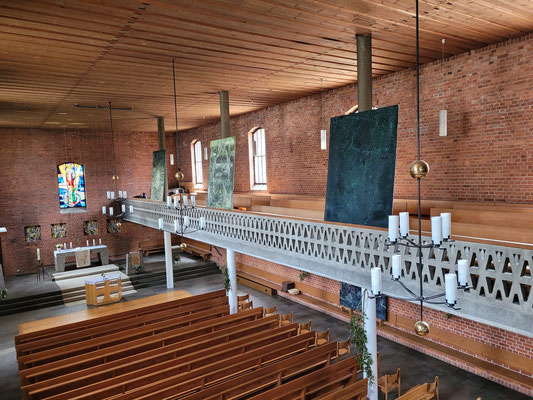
(169, 262)
(224, 113)
(162, 146)
(364, 72)
(232, 272)
(372, 344)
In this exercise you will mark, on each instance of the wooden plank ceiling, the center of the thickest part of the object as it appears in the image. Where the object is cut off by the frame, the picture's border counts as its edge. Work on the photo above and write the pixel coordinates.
(58, 52)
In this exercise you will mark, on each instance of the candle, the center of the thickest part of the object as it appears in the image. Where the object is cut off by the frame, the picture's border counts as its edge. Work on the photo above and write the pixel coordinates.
(176, 201)
(87, 242)
(99, 241)
(169, 201)
(202, 222)
(111, 211)
(375, 275)
(131, 209)
(451, 288)
(185, 200)
(112, 195)
(462, 267)
(104, 210)
(38, 254)
(65, 245)
(396, 259)
(193, 200)
(71, 245)
(186, 221)
(176, 226)
(123, 208)
(172, 159)
(436, 229)
(393, 227)
(125, 194)
(404, 224)
(94, 242)
(161, 223)
(108, 195)
(446, 225)
(120, 194)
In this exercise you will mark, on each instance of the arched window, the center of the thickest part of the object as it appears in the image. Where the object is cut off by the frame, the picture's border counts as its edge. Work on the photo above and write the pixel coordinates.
(257, 150)
(196, 157)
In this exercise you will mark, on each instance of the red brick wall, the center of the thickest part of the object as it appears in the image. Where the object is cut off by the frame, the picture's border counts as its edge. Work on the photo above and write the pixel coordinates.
(29, 191)
(487, 155)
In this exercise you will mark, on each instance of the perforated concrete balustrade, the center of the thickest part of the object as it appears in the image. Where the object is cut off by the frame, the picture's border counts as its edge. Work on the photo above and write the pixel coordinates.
(500, 276)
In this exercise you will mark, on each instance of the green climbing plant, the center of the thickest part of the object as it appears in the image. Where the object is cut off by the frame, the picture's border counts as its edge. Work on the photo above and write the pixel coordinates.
(303, 275)
(227, 282)
(3, 294)
(360, 341)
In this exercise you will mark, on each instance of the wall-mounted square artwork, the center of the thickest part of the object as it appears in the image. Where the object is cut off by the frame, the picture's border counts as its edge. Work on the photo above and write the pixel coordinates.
(113, 225)
(90, 227)
(159, 175)
(350, 296)
(362, 161)
(59, 231)
(221, 168)
(71, 181)
(32, 233)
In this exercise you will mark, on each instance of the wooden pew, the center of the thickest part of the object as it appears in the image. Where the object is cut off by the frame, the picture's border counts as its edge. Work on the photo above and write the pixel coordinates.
(215, 384)
(425, 391)
(155, 245)
(85, 360)
(294, 212)
(121, 316)
(48, 343)
(316, 383)
(249, 334)
(493, 218)
(317, 204)
(196, 248)
(268, 345)
(353, 391)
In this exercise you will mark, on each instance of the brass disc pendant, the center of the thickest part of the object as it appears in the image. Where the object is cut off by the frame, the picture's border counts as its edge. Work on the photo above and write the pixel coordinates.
(419, 169)
(421, 328)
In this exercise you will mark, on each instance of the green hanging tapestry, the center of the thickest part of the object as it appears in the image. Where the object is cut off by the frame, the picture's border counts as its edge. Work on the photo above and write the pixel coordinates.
(159, 176)
(221, 169)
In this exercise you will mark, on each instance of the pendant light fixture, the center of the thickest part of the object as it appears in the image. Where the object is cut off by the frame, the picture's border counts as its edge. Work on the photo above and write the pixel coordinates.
(179, 175)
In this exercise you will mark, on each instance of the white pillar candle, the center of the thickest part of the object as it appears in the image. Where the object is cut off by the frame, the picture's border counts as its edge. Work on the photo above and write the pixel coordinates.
(108, 195)
(176, 226)
(193, 201)
(123, 208)
(104, 210)
(94, 242)
(396, 265)
(446, 225)
(87, 242)
(394, 220)
(38, 254)
(462, 267)
(161, 223)
(100, 241)
(451, 288)
(125, 194)
(131, 209)
(202, 222)
(186, 221)
(375, 275)
(169, 201)
(71, 245)
(172, 159)
(185, 200)
(65, 245)
(404, 223)
(176, 201)
(436, 230)
(120, 194)
(111, 211)
(112, 195)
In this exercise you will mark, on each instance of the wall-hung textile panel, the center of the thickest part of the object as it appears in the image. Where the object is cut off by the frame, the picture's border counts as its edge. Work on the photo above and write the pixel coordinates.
(158, 176)
(221, 170)
(362, 159)
(351, 296)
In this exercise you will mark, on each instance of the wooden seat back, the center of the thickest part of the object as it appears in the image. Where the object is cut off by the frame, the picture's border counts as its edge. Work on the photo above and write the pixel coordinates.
(353, 391)
(304, 328)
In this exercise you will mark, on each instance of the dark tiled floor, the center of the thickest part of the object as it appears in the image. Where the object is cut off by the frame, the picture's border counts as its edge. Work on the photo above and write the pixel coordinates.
(417, 368)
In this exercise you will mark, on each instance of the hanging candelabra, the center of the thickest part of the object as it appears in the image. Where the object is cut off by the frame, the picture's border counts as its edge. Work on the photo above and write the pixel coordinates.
(440, 237)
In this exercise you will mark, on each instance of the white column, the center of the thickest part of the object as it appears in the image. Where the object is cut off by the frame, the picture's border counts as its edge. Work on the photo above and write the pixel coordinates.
(232, 272)
(169, 264)
(372, 344)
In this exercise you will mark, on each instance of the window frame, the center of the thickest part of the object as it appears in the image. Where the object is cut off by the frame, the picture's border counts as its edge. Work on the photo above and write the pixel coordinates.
(257, 158)
(197, 164)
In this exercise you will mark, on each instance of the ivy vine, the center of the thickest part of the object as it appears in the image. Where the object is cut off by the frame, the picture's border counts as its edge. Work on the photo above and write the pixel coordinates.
(360, 340)
(227, 282)
(303, 275)
(3, 294)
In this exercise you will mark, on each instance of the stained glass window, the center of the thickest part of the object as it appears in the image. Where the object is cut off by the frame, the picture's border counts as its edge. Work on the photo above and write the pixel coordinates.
(71, 181)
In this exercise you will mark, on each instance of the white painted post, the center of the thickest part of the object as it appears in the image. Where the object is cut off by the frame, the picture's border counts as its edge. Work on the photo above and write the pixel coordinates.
(232, 273)
(169, 263)
(372, 344)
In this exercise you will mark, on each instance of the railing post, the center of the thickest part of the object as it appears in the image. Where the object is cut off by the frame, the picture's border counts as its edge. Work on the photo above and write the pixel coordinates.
(232, 272)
